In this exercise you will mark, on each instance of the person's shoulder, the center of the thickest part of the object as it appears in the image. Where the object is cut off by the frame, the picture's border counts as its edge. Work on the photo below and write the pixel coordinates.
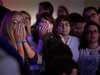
(2, 37)
(4, 9)
(73, 38)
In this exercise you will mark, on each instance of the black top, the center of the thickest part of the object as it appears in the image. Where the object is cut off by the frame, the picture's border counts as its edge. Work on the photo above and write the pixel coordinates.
(3, 11)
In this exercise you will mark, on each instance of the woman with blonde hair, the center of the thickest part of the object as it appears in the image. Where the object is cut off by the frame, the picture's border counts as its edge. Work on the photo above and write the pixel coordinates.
(13, 40)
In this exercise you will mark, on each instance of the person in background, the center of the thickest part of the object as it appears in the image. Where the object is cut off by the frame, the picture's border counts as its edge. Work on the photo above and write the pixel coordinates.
(91, 14)
(77, 24)
(63, 65)
(8, 64)
(99, 12)
(3, 11)
(44, 6)
(13, 41)
(30, 39)
(89, 56)
(63, 28)
(62, 11)
(52, 44)
(27, 17)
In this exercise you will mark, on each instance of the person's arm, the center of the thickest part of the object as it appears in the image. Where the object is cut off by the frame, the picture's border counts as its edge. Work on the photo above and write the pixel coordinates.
(29, 51)
(37, 48)
(31, 42)
(11, 50)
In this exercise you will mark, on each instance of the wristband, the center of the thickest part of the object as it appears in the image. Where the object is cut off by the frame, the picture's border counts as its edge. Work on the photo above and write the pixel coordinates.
(18, 41)
(24, 41)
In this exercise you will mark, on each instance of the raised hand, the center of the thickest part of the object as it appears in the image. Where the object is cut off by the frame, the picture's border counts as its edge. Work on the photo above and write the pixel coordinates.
(50, 27)
(42, 31)
(18, 33)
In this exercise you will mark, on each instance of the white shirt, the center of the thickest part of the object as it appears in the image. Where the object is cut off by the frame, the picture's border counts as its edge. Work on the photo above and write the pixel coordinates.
(73, 43)
(89, 61)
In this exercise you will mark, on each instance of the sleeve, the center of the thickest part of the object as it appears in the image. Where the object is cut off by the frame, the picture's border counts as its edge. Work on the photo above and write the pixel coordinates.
(53, 46)
(10, 50)
(32, 43)
(37, 48)
(33, 60)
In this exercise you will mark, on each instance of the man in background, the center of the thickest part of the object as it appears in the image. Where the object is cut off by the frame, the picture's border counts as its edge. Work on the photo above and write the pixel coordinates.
(91, 14)
(3, 11)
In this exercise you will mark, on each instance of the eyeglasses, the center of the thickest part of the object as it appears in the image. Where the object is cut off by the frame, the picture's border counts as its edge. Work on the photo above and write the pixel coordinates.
(26, 19)
(16, 22)
(61, 24)
(92, 15)
(91, 32)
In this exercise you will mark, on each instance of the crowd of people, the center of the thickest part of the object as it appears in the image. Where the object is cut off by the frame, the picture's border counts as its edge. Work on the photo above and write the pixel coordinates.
(67, 45)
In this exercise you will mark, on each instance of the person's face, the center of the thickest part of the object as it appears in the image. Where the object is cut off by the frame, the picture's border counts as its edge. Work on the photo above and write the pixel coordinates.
(45, 22)
(41, 10)
(27, 21)
(76, 28)
(74, 72)
(63, 28)
(91, 15)
(92, 34)
(18, 19)
(61, 11)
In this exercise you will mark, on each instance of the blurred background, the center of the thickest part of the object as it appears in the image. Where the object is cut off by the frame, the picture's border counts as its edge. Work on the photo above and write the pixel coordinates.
(31, 6)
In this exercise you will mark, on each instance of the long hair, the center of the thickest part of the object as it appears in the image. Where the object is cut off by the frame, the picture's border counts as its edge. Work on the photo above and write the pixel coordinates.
(84, 43)
(6, 28)
(48, 17)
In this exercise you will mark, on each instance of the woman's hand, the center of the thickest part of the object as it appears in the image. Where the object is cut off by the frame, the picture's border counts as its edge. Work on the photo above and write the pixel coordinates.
(18, 33)
(50, 28)
(42, 31)
(24, 33)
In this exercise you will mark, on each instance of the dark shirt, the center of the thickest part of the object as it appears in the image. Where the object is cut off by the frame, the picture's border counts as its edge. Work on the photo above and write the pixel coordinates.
(3, 11)
(52, 47)
(13, 52)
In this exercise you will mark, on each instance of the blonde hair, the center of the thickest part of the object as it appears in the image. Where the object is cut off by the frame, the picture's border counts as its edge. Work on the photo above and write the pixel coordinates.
(7, 27)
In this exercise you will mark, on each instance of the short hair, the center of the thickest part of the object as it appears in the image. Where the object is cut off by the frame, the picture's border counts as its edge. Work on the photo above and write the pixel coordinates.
(75, 17)
(47, 5)
(89, 8)
(62, 64)
(65, 9)
(62, 18)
